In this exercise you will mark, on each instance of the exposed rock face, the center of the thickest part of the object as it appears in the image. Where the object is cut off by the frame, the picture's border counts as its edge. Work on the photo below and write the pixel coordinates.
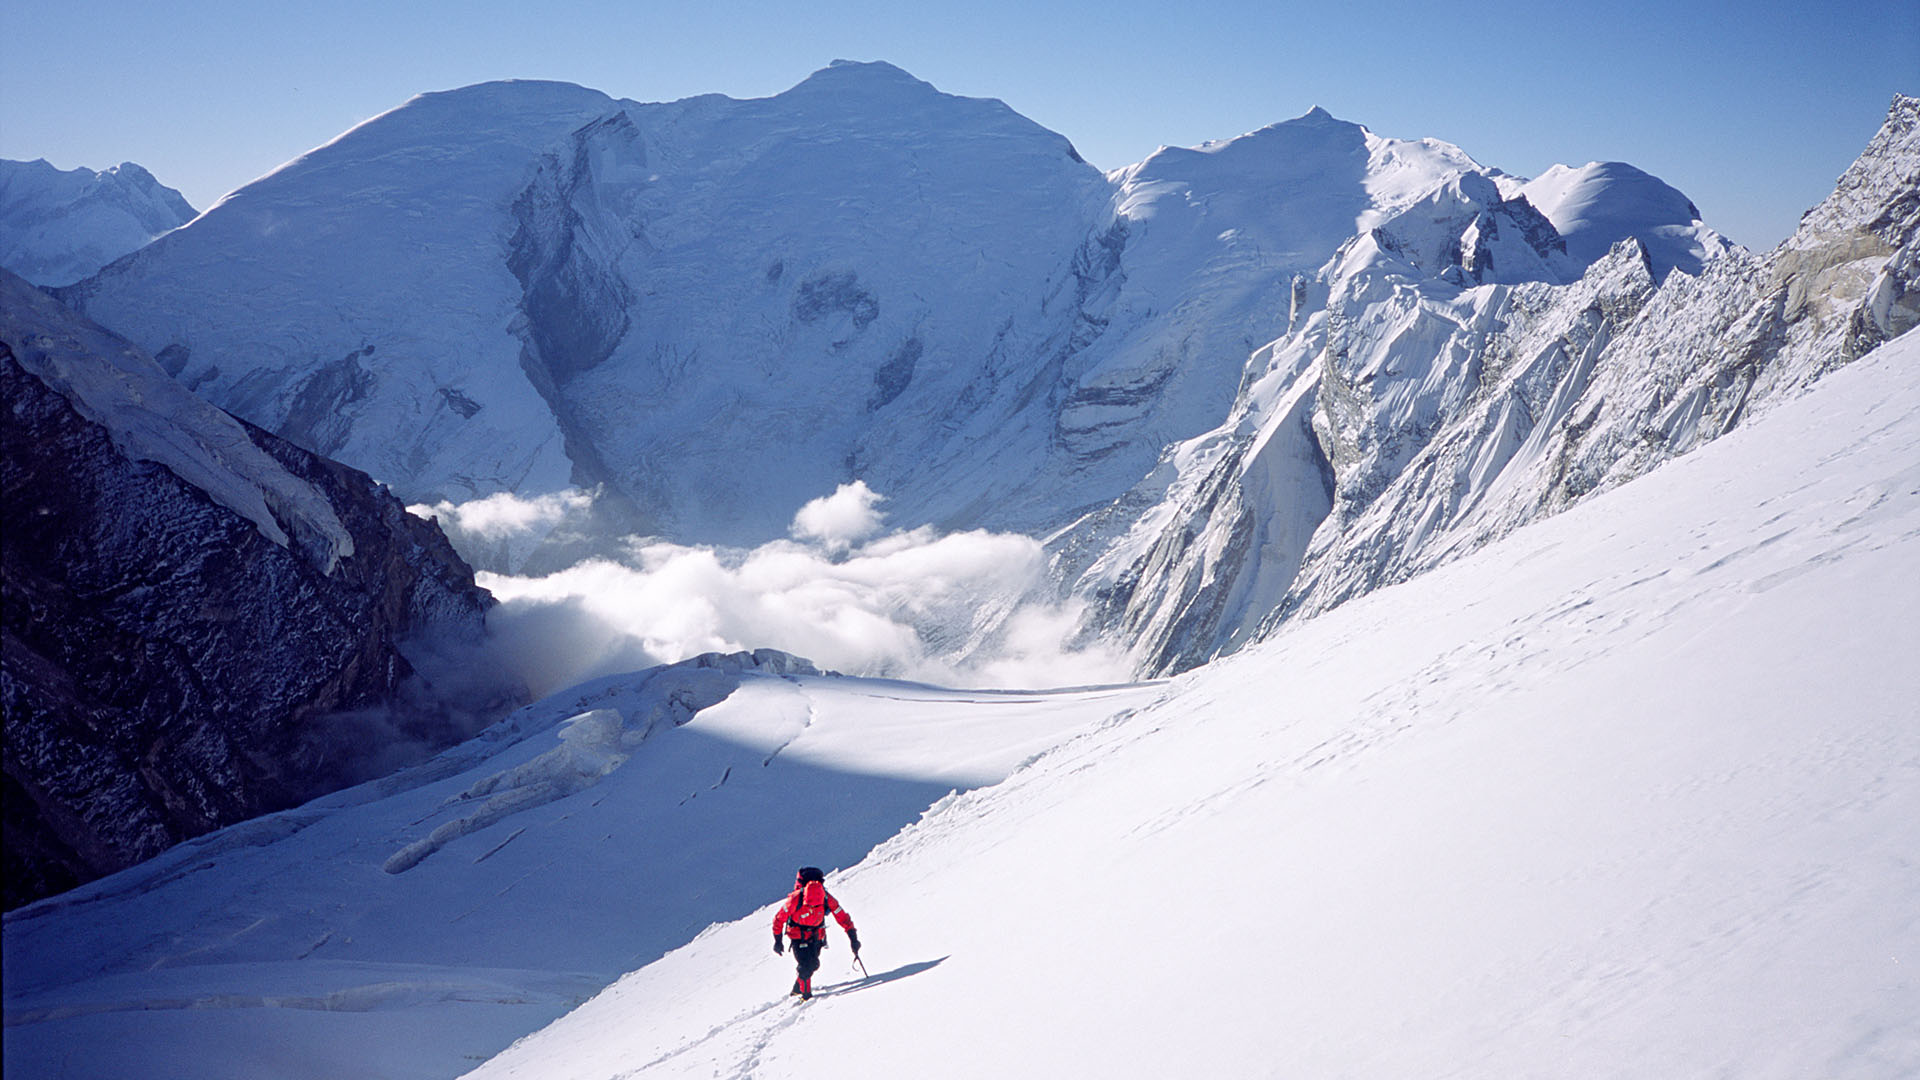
(1410, 421)
(172, 665)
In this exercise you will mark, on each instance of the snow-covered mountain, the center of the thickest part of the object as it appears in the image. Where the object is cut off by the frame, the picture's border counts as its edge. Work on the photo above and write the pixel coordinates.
(58, 226)
(203, 622)
(1628, 792)
(1603, 202)
(718, 310)
(1423, 410)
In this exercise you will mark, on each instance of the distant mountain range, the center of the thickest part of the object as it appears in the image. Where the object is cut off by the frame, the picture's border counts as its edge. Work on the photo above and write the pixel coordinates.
(58, 226)
(1228, 382)
(721, 309)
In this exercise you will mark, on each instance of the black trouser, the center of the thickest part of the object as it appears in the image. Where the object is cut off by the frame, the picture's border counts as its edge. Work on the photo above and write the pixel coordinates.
(806, 957)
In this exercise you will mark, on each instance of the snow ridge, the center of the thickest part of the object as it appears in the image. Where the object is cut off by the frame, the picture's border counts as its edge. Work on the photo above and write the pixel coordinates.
(151, 417)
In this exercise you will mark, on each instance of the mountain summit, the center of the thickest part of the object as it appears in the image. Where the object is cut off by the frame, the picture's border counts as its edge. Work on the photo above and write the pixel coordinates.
(716, 310)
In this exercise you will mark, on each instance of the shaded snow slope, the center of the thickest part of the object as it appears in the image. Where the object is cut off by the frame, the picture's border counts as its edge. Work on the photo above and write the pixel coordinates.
(58, 226)
(1629, 793)
(412, 926)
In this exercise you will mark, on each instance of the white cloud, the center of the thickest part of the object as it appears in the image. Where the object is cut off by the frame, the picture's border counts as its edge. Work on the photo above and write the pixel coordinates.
(970, 608)
(504, 531)
(841, 519)
(504, 515)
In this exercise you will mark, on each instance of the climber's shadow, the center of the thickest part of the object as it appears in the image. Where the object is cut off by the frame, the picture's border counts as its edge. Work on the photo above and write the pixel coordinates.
(871, 981)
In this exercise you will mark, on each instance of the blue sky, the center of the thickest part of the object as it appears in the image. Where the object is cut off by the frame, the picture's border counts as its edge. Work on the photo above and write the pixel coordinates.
(1750, 108)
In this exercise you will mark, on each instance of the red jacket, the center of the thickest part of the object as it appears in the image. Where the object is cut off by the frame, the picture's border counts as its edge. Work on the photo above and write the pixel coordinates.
(804, 915)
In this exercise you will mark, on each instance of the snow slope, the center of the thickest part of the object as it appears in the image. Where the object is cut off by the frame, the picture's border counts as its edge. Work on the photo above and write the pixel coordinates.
(58, 226)
(1629, 793)
(415, 925)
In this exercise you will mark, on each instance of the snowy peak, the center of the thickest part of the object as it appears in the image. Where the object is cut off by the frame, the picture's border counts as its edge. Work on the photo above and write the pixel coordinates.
(1315, 146)
(58, 226)
(865, 100)
(1465, 233)
(1604, 202)
(139, 180)
(1582, 195)
(864, 77)
(1287, 194)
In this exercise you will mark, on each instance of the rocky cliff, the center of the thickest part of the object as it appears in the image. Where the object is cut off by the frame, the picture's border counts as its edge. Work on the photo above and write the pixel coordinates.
(202, 621)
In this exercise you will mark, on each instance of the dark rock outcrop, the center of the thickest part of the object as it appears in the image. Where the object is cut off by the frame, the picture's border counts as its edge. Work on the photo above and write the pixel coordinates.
(170, 666)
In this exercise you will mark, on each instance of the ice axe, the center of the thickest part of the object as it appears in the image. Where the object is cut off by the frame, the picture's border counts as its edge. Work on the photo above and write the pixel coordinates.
(861, 964)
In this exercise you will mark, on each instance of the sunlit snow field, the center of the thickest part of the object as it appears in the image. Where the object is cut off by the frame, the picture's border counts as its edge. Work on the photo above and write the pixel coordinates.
(1632, 793)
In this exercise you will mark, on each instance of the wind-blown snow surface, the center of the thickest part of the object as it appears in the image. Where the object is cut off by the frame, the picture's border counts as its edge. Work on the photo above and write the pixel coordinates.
(60, 225)
(1630, 793)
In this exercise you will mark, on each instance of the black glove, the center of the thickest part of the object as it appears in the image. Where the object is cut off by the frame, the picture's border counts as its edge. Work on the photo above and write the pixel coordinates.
(853, 939)
(780, 947)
